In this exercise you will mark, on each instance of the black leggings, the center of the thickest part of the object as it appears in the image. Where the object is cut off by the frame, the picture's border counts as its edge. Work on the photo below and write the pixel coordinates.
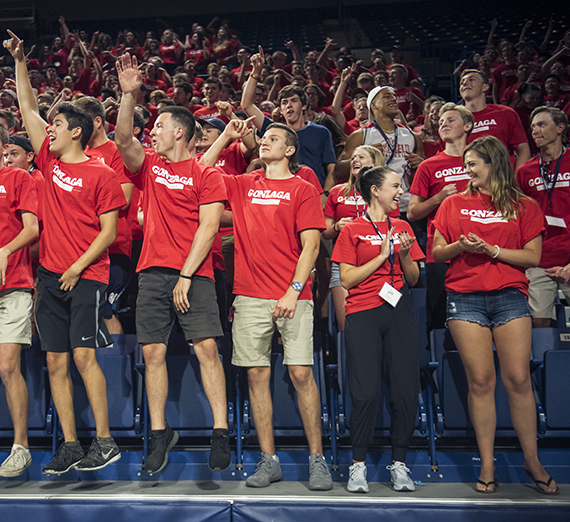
(382, 342)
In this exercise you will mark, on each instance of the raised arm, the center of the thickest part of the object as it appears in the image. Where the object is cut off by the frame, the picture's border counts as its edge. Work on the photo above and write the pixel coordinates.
(290, 44)
(236, 129)
(130, 79)
(64, 32)
(34, 123)
(336, 107)
(544, 45)
(248, 95)
(525, 29)
(494, 24)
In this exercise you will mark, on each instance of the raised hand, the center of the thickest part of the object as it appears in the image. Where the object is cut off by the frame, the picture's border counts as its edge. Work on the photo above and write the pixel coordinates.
(290, 44)
(130, 78)
(345, 75)
(238, 129)
(225, 109)
(15, 47)
(385, 248)
(257, 61)
(406, 242)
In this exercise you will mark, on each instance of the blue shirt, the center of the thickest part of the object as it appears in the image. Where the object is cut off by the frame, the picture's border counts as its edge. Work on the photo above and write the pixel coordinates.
(315, 147)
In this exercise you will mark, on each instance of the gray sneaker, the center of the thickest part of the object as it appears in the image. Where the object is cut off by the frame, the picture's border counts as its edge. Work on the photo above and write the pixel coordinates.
(357, 478)
(400, 478)
(17, 462)
(319, 475)
(268, 470)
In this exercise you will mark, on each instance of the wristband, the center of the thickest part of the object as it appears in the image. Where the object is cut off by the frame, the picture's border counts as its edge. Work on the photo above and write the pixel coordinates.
(184, 276)
(255, 77)
(498, 252)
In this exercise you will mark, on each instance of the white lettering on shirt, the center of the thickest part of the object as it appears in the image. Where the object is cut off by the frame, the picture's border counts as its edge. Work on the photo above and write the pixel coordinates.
(485, 217)
(2, 189)
(64, 181)
(375, 239)
(351, 201)
(171, 181)
(268, 197)
(483, 125)
(563, 180)
(452, 174)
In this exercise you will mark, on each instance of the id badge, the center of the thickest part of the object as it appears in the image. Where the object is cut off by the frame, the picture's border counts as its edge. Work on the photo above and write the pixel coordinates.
(555, 222)
(390, 294)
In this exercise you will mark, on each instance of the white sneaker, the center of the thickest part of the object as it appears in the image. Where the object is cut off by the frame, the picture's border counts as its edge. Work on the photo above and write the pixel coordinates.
(400, 478)
(357, 478)
(17, 462)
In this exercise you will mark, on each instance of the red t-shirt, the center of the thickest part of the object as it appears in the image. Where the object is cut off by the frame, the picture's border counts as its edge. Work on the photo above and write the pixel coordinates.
(558, 101)
(132, 215)
(153, 85)
(83, 83)
(17, 193)
(268, 217)
(168, 53)
(470, 272)
(109, 155)
(505, 76)
(357, 244)
(404, 98)
(231, 159)
(499, 121)
(38, 177)
(339, 206)
(76, 194)
(173, 193)
(556, 245)
(431, 177)
(412, 74)
(208, 113)
(510, 93)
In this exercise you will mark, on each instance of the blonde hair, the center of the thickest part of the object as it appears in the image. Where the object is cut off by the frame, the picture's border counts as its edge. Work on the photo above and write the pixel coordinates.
(377, 160)
(464, 112)
(505, 192)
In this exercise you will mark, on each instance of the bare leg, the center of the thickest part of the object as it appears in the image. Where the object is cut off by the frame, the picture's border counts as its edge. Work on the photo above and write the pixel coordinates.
(156, 381)
(95, 386)
(62, 391)
(114, 326)
(261, 406)
(213, 379)
(16, 390)
(475, 346)
(513, 343)
(339, 299)
(309, 405)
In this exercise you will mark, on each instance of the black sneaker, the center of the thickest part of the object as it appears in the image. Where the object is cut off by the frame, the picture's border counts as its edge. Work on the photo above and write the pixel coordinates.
(65, 458)
(220, 454)
(102, 452)
(161, 442)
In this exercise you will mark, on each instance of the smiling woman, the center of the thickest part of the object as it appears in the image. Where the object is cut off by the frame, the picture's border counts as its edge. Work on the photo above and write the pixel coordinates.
(490, 233)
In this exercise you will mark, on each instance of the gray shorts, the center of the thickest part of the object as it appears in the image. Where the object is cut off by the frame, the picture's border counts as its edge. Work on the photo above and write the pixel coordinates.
(156, 311)
(16, 316)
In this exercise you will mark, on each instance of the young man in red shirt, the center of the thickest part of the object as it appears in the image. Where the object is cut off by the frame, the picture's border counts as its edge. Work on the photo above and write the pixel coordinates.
(80, 212)
(18, 215)
(277, 219)
(182, 205)
(437, 178)
(105, 150)
(410, 99)
(546, 179)
(493, 120)
(212, 89)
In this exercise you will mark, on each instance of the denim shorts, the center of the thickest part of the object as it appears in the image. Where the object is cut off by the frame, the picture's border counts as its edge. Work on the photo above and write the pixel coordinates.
(488, 309)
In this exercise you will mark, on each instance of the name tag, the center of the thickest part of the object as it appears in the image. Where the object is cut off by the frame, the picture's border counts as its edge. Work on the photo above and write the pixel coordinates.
(555, 222)
(390, 294)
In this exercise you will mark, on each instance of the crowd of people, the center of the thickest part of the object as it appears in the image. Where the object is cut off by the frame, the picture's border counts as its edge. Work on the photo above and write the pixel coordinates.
(233, 184)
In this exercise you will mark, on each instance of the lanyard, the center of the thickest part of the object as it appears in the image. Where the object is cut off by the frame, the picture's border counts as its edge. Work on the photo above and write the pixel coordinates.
(549, 179)
(391, 254)
(355, 196)
(390, 146)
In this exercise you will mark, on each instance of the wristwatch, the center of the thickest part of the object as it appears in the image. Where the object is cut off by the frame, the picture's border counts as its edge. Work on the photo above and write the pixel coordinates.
(298, 287)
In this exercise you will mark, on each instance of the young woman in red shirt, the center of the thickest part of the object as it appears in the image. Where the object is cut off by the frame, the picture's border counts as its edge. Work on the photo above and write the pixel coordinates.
(490, 234)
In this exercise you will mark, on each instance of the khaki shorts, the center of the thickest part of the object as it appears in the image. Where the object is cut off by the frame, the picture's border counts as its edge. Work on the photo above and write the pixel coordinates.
(254, 326)
(542, 292)
(16, 316)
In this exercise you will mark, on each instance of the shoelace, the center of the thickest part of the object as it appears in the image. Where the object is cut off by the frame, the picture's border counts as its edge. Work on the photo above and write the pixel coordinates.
(263, 464)
(218, 443)
(319, 463)
(398, 469)
(356, 472)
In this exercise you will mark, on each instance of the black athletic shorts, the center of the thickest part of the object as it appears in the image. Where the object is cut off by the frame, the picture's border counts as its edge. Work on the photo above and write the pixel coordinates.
(68, 319)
